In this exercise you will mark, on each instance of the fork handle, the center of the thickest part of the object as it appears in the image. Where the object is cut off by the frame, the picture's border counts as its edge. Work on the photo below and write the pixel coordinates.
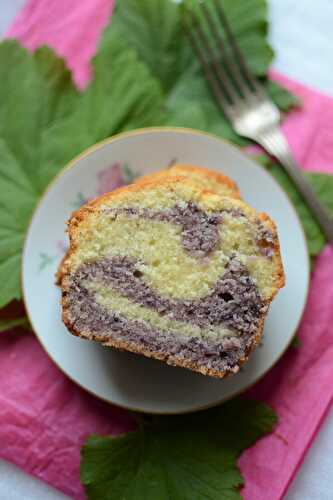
(276, 144)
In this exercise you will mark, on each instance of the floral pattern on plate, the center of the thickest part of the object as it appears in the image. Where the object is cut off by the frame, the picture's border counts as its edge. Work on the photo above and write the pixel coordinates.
(116, 175)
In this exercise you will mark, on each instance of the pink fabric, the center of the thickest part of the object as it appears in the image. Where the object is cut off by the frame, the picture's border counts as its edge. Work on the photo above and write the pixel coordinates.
(300, 389)
(44, 418)
(71, 27)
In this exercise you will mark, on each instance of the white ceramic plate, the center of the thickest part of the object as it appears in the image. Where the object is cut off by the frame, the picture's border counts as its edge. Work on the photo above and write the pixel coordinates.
(129, 380)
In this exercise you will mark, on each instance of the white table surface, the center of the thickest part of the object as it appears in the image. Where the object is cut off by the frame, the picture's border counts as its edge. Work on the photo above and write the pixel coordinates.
(302, 36)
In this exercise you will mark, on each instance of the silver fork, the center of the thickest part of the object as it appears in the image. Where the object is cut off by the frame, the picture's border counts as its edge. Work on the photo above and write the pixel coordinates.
(243, 99)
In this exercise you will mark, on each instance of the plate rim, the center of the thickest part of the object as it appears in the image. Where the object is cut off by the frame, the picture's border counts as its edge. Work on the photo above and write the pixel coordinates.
(73, 163)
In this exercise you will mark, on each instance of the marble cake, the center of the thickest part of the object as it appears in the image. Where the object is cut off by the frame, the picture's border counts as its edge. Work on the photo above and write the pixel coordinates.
(171, 271)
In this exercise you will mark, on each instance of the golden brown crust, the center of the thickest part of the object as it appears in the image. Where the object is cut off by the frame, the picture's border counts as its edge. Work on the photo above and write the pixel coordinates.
(61, 270)
(181, 169)
(211, 174)
(280, 276)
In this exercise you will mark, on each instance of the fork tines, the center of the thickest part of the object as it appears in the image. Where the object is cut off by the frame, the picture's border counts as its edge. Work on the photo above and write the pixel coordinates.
(221, 59)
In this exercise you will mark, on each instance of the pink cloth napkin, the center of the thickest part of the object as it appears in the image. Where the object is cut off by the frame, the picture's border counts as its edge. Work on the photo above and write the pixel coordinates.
(44, 418)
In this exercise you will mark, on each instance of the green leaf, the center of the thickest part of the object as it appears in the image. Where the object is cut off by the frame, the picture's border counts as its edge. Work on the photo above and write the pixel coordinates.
(154, 29)
(8, 324)
(121, 96)
(323, 186)
(282, 98)
(190, 104)
(45, 122)
(176, 458)
(296, 342)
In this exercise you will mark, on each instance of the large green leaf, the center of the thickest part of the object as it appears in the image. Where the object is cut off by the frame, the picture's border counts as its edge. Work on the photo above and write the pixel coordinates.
(45, 122)
(191, 457)
(36, 90)
(121, 96)
(154, 29)
(323, 186)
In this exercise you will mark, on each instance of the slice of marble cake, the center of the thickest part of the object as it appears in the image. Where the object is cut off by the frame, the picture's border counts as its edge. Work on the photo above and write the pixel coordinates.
(173, 272)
